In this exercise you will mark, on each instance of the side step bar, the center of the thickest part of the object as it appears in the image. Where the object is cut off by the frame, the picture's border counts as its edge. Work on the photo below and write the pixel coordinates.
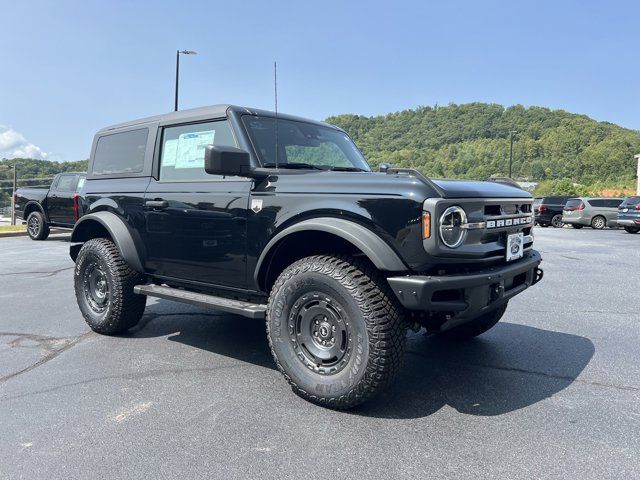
(246, 309)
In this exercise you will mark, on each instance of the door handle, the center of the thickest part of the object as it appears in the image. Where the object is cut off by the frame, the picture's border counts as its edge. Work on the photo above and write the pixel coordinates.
(158, 204)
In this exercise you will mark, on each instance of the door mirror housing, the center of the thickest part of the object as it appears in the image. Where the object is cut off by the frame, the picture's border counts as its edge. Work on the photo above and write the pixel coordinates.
(223, 160)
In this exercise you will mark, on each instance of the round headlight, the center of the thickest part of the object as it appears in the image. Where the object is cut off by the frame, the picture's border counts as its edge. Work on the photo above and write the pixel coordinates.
(452, 232)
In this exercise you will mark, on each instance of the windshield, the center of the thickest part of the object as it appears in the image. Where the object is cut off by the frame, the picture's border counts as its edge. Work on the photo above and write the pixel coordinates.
(303, 145)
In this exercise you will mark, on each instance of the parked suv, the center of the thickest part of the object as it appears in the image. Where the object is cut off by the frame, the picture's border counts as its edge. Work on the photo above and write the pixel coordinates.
(281, 218)
(549, 211)
(629, 214)
(596, 213)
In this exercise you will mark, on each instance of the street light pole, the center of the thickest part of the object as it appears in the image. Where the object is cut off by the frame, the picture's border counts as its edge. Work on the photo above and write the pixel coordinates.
(13, 193)
(178, 52)
(511, 153)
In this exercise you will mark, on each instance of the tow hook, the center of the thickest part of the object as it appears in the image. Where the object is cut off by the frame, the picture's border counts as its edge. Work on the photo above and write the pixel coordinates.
(537, 275)
(497, 289)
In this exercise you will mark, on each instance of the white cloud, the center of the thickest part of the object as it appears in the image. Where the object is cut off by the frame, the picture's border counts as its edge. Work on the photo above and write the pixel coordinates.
(13, 145)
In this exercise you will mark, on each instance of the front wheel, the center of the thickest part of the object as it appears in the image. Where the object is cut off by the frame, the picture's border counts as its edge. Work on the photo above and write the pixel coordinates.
(476, 326)
(104, 288)
(37, 226)
(335, 330)
(632, 229)
(576, 226)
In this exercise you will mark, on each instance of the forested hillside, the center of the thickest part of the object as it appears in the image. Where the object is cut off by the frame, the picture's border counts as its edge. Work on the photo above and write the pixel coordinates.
(41, 170)
(472, 141)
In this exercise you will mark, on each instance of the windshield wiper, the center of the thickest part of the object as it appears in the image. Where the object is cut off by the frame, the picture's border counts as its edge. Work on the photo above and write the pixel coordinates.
(293, 165)
(348, 169)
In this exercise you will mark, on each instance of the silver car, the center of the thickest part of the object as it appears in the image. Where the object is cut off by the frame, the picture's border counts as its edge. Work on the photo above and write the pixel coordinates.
(596, 213)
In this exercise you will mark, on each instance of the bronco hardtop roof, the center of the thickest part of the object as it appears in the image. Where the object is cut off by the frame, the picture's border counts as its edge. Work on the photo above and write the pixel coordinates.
(211, 111)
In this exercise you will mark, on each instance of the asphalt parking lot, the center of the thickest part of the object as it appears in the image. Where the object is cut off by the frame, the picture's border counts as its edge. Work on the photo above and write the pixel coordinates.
(553, 391)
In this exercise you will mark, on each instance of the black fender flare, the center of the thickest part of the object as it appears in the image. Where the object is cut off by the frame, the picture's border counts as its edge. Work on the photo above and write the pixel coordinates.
(37, 206)
(117, 229)
(368, 242)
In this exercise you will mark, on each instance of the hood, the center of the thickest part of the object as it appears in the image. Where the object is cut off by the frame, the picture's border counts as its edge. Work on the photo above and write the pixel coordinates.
(386, 184)
(472, 189)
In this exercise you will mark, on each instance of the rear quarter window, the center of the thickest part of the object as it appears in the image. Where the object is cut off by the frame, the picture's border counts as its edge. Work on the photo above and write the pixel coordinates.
(120, 152)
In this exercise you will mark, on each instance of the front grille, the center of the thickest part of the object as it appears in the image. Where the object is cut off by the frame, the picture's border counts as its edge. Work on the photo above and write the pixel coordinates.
(490, 221)
(498, 209)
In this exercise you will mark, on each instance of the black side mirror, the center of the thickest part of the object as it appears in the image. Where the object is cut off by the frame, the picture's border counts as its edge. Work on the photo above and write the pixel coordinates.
(222, 160)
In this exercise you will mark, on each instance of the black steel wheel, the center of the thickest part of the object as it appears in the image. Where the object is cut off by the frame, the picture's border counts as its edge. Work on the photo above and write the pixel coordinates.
(37, 227)
(632, 229)
(598, 222)
(335, 330)
(321, 333)
(556, 221)
(577, 226)
(104, 288)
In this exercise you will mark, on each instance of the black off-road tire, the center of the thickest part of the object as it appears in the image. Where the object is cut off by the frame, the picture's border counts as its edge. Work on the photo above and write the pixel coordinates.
(632, 229)
(352, 297)
(576, 226)
(113, 309)
(37, 227)
(475, 327)
(598, 222)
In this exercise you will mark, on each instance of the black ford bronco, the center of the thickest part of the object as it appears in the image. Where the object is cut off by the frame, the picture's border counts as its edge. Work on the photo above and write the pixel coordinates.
(281, 218)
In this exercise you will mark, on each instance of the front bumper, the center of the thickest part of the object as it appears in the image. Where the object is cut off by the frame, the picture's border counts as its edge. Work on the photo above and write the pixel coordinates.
(466, 296)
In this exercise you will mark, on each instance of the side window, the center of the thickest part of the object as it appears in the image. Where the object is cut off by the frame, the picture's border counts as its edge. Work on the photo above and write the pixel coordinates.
(614, 203)
(182, 151)
(597, 203)
(66, 183)
(121, 152)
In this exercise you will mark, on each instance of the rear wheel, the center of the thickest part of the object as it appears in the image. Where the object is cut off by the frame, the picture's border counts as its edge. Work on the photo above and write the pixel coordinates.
(37, 227)
(475, 327)
(335, 330)
(598, 222)
(544, 225)
(632, 229)
(576, 226)
(104, 288)
(556, 221)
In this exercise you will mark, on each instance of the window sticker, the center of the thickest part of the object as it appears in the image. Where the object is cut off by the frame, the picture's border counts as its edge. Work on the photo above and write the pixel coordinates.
(190, 149)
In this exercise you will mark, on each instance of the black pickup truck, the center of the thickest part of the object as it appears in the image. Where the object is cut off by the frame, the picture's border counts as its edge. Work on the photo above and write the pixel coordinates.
(281, 218)
(56, 206)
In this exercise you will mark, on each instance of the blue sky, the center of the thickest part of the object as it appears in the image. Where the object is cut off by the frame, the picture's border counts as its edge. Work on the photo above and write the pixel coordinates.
(68, 68)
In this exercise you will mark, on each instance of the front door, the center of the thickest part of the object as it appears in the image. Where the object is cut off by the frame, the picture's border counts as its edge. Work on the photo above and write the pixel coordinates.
(196, 223)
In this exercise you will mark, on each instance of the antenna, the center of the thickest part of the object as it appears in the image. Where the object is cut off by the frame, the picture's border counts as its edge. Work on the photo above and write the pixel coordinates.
(275, 91)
